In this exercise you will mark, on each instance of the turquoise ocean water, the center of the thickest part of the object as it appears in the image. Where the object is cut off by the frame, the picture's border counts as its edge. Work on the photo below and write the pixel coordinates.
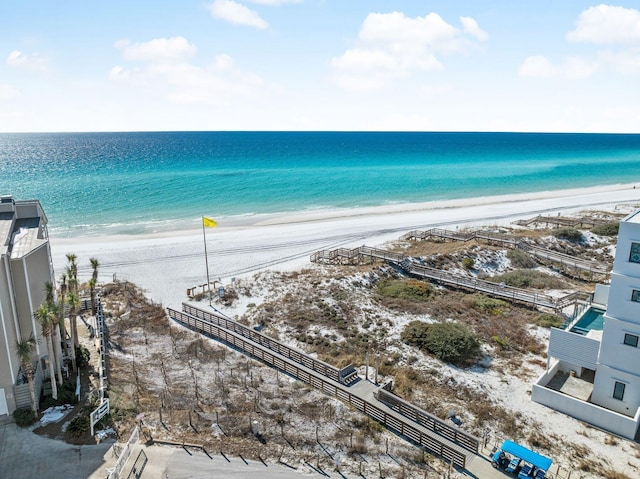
(133, 183)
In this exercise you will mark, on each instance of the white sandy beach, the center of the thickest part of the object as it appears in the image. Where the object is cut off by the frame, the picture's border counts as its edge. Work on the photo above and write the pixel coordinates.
(167, 264)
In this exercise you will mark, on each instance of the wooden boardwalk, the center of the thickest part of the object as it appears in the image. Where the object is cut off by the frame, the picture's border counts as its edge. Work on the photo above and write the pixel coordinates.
(437, 436)
(411, 267)
(570, 264)
(562, 221)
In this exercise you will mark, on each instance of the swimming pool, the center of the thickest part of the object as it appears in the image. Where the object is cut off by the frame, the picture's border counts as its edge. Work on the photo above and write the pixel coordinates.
(592, 319)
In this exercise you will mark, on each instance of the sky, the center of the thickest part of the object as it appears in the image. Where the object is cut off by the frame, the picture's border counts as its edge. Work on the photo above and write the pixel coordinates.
(334, 65)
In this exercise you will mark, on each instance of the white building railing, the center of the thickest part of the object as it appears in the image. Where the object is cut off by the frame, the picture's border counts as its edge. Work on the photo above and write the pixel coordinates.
(115, 471)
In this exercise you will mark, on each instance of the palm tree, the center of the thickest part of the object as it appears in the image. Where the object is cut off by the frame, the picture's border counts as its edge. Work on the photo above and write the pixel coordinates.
(72, 280)
(55, 338)
(63, 329)
(45, 317)
(48, 287)
(74, 302)
(92, 283)
(24, 348)
(55, 321)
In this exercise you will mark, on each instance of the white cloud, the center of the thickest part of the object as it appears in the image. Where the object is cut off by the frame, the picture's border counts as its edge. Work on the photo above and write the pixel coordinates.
(7, 92)
(572, 68)
(118, 73)
(392, 45)
(184, 82)
(536, 66)
(625, 61)
(607, 25)
(236, 13)
(222, 62)
(470, 26)
(616, 27)
(158, 49)
(34, 62)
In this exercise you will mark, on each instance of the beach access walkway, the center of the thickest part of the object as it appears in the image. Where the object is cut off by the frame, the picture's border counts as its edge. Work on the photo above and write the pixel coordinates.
(413, 267)
(442, 438)
(562, 221)
(572, 265)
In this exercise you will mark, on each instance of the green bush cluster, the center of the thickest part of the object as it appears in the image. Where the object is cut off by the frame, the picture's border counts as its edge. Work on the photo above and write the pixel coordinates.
(410, 289)
(569, 234)
(24, 417)
(449, 342)
(468, 263)
(607, 229)
(548, 320)
(528, 278)
(78, 426)
(66, 395)
(488, 305)
(521, 259)
(82, 356)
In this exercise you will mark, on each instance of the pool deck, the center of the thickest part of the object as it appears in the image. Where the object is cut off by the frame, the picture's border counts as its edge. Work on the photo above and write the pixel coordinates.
(579, 388)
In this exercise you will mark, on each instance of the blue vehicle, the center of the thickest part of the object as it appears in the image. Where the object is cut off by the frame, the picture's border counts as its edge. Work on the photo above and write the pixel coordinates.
(526, 472)
(516, 459)
(500, 460)
(540, 474)
(513, 465)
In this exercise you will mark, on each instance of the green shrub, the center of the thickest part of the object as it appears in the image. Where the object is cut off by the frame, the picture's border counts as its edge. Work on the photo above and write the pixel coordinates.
(528, 278)
(502, 343)
(487, 305)
(607, 229)
(82, 356)
(548, 320)
(410, 289)
(468, 263)
(569, 234)
(24, 417)
(449, 342)
(520, 259)
(78, 426)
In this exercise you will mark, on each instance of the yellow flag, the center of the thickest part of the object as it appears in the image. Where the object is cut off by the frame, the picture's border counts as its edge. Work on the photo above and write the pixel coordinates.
(208, 222)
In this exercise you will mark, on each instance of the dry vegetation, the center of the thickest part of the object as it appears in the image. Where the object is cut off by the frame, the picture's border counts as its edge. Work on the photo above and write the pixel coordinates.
(210, 395)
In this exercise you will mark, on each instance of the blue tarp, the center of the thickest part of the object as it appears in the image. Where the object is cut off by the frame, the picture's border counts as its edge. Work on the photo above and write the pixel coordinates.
(527, 455)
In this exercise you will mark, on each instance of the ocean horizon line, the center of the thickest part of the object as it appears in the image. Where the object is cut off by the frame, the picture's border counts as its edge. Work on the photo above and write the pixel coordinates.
(500, 132)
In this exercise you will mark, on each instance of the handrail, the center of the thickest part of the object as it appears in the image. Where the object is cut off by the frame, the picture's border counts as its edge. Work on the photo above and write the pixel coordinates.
(339, 375)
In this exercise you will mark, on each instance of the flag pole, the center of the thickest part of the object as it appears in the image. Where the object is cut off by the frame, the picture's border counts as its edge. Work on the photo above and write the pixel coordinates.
(206, 259)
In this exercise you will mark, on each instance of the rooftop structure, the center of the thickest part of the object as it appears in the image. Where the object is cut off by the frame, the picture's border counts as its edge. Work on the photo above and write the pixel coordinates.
(25, 267)
(593, 369)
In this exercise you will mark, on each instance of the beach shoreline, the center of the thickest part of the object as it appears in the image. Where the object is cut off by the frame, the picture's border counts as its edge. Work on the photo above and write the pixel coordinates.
(314, 216)
(166, 264)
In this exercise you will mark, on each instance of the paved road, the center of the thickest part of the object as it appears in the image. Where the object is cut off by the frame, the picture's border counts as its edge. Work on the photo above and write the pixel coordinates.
(25, 455)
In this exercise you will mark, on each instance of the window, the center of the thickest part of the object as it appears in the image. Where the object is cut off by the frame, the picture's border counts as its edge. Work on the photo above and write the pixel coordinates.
(635, 296)
(631, 340)
(634, 256)
(618, 390)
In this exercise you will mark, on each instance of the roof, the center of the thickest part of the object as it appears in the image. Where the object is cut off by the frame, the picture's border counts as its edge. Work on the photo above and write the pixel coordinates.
(526, 455)
(6, 221)
(633, 217)
(25, 237)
